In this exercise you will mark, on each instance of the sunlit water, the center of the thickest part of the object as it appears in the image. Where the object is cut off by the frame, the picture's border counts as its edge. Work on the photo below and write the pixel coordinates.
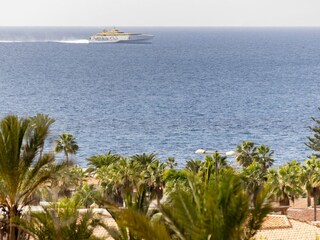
(191, 88)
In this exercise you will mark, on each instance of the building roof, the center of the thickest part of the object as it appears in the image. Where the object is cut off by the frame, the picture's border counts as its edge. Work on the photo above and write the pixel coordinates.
(281, 227)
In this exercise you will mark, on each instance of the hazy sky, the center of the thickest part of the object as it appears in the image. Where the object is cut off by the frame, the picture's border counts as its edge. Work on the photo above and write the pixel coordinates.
(160, 12)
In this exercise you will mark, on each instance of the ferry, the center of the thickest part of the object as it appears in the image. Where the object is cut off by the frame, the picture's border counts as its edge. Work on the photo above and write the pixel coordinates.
(115, 36)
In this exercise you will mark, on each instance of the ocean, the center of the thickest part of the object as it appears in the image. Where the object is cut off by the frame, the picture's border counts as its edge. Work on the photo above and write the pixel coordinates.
(191, 88)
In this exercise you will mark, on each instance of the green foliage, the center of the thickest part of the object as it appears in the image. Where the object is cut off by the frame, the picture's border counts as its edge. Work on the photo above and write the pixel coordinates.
(311, 177)
(314, 141)
(64, 181)
(206, 200)
(257, 214)
(153, 176)
(171, 162)
(247, 153)
(87, 195)
(144, 159)
(219, 210)
(193, 166)
(22, 169)
(134, 225)
(96, 162)
(285, 182)
(134, 181)
(61, 221)
(67, 144)
(40, 123)
(141, 227)
(175, 179)
(311, 174)
(253, 178)
(212, 165)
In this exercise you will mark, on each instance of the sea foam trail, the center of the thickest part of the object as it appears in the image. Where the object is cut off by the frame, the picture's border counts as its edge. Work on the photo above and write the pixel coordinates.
(78, 41)
(10, 41)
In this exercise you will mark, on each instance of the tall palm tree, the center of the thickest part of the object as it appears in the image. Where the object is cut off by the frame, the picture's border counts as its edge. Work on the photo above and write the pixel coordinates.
(285, 182)
(246, 152)
(154, 175)
(41, 123)
(22, 172)
(67, 144)
(213, 165)
(264, 156)
(312, 180)
(253, 178)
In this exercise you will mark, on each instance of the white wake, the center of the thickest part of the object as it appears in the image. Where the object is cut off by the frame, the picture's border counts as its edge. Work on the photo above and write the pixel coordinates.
(76, 41)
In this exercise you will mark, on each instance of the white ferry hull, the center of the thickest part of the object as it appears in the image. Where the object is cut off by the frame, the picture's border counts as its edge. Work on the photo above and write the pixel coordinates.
(123, 38)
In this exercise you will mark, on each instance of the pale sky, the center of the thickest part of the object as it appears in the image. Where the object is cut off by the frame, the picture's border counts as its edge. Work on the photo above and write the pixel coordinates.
(159, 12)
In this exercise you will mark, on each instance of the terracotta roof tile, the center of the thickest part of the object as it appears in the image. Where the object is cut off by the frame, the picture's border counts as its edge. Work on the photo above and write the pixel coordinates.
(276, 221)
(298, 231)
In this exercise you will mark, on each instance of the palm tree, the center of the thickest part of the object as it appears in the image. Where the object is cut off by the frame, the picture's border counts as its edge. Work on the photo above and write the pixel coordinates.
(66, 143)
(41, 123)
(135, 225)
(61, 221)
(155, 180)
(253, 179)
(246, 152)
(96, 162)
(312, 180)
(123, 177)
(144, 158)
(213, 165)
(171, 162)
(65, 182)
(193, 166)
(22, 171)
(264, 156)
(285, 182)
(219, 210)
(87, 195)
(175, 179)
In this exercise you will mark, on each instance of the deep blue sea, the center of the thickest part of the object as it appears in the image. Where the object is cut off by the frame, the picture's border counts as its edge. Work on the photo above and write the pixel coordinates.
(191, 88)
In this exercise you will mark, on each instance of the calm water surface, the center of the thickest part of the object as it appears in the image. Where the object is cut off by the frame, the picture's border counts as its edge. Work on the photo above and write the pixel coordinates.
(191, 88)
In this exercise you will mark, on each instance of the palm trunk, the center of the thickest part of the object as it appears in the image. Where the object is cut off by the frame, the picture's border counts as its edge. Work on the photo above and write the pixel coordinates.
(13, 230)
(67, 158)
(285, 201)
(41, 151)
(308, 200)
(159, 193)
(55, 188)
(315, 199)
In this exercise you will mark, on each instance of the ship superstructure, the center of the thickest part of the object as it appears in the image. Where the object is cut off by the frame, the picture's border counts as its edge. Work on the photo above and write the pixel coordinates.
(114, 36)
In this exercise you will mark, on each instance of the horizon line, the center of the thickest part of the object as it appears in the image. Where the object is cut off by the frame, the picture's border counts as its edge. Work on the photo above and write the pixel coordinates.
(175, 26)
